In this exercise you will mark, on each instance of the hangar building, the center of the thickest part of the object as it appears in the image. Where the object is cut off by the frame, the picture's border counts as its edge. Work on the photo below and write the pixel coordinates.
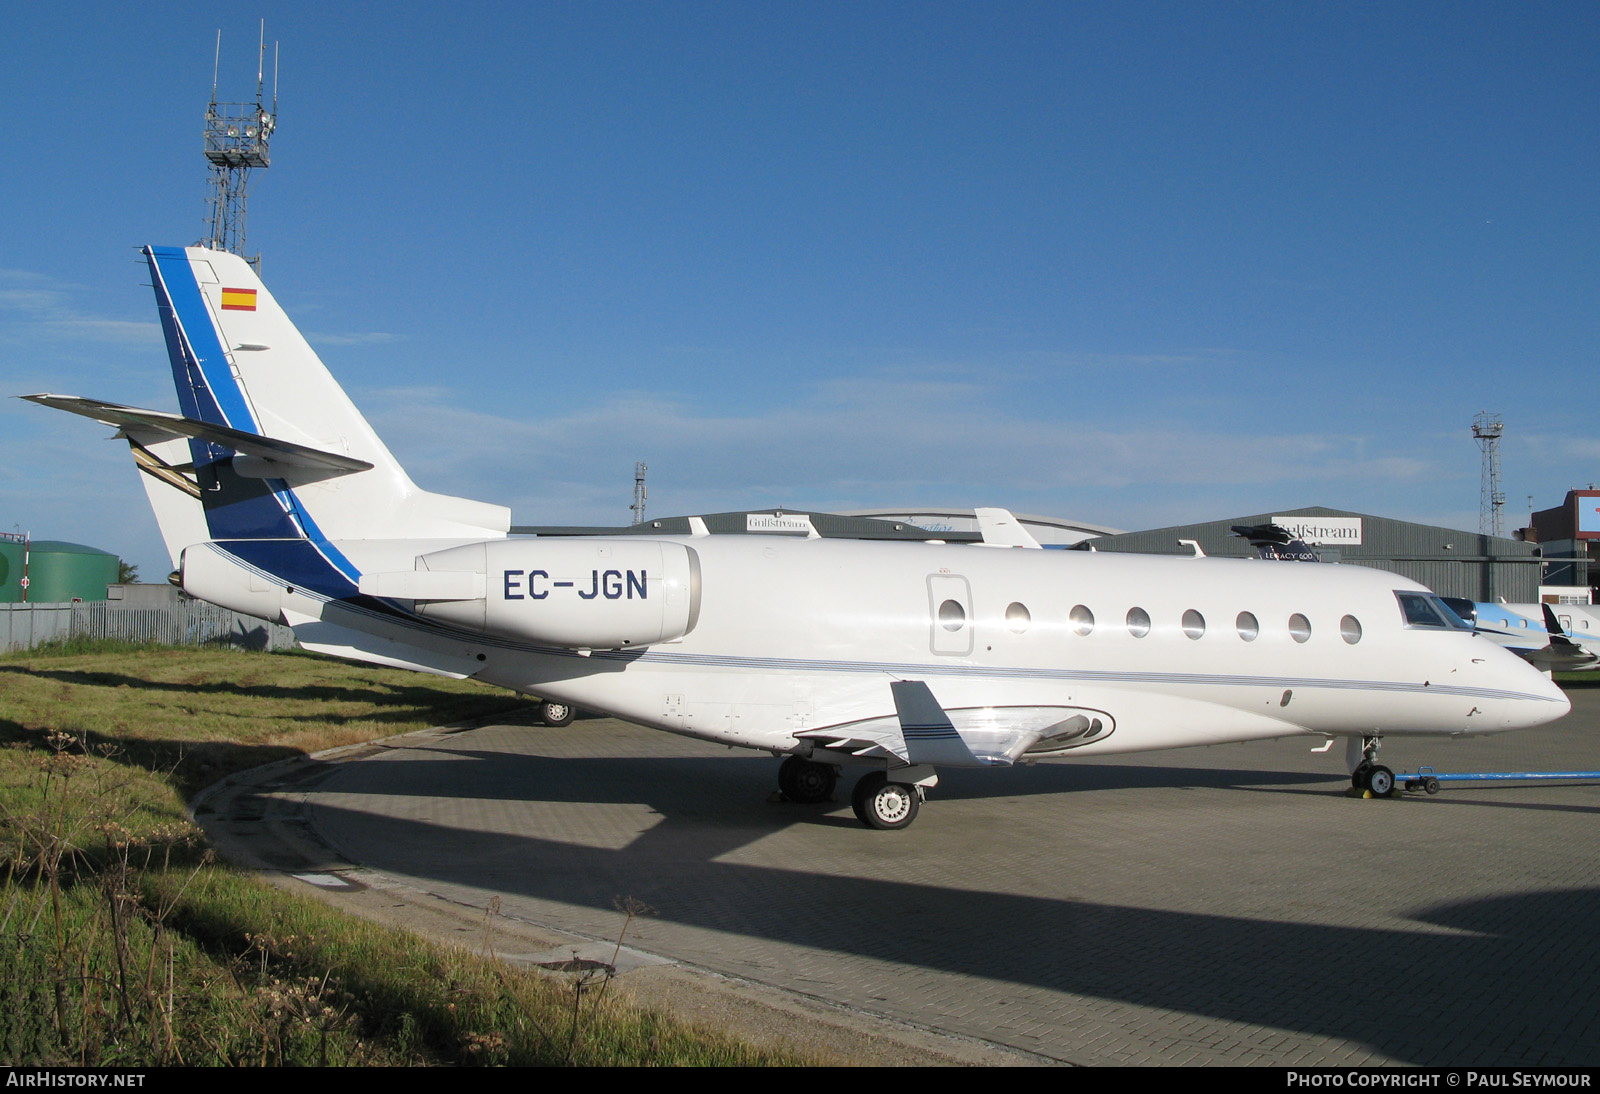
(1570, 533)
(1450, 562)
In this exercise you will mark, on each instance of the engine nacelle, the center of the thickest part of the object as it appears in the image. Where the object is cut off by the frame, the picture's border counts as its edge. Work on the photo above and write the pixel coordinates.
(578, 593)
(211, 574)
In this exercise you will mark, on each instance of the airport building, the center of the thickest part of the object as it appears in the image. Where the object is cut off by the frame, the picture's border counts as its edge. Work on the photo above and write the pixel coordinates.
(1569, 537)
(963, 524)
(1450, 562)
(948, 525)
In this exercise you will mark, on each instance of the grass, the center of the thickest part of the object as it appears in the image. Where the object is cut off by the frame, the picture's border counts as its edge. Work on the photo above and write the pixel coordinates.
(124, 943)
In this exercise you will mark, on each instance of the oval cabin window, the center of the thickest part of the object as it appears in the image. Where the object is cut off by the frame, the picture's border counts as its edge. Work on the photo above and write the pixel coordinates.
(1299, 628)
(1018, 618)
(1082, 620)
(952, 616)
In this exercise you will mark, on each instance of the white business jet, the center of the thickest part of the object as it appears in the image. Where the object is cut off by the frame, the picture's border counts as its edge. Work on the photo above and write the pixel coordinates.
(277, 499)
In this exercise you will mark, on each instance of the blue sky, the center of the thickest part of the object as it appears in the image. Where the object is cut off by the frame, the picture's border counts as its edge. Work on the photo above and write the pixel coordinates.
(1133, 263)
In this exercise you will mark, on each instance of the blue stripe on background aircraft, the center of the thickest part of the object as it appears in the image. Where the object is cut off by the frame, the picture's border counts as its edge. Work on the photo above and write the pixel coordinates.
(1567, 640)
(277, 499)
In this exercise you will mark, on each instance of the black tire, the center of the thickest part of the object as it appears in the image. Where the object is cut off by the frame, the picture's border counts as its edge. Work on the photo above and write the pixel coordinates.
(1361, 777)
(553, 713)
(1431, 785)
(1380, 780)
(806, 781)
(881, 804)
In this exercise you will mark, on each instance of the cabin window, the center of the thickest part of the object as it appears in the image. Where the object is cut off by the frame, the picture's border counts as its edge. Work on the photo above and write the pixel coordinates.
(1350, 629)
(1249, 628)
(1138, 622)
(952, 616)
(1194, 624)
(1299, 628)
(1082, 620)
(1018, 618)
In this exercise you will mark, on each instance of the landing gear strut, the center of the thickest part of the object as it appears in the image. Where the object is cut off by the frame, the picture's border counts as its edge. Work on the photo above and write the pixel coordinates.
(1369, 774)
(807, 781)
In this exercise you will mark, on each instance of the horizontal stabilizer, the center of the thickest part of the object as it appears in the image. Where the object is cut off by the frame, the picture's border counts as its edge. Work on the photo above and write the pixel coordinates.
(159, 424)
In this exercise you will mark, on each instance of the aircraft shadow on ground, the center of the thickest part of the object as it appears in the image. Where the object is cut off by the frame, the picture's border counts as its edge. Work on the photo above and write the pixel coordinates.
(1498, 992)
(642, 779)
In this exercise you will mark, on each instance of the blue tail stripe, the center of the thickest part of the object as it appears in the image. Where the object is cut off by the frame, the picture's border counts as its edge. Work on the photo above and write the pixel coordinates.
(174, 278)
(209, 392)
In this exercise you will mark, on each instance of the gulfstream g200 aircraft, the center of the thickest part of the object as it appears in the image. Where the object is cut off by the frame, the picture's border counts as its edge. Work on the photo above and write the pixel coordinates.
(277, 499)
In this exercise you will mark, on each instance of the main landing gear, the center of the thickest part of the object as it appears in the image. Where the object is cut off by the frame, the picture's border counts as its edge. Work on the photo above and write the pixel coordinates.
(878, 803)
(1369, 774)
(882, 804)
(553, 713)
(806, 781)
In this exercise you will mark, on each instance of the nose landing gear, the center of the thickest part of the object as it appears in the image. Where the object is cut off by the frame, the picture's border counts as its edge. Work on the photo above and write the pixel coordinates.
(1370, 775)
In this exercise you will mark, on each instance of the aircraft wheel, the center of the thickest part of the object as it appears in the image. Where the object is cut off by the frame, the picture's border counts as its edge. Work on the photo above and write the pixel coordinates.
(552, 713)
(806, 781)
(1380, 780)
(881, 804)
(1361, 777)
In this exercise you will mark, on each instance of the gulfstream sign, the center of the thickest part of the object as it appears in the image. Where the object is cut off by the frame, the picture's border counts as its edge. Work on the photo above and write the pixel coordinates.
(1335, 531)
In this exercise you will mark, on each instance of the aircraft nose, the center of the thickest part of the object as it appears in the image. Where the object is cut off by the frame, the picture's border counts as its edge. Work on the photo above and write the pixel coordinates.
(1536, 700)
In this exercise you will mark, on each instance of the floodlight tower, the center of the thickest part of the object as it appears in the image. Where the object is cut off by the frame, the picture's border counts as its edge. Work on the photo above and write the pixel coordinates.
(1486, 430)
(639, 492)
(236, 141)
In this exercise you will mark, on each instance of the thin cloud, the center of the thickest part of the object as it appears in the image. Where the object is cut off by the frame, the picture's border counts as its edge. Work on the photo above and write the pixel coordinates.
(360, 338)
(40, 306)
(863, 442)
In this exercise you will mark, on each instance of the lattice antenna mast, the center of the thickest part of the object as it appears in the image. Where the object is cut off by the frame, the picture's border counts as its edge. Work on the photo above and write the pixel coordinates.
(640, 492)
(1486, 430)
(236, 141)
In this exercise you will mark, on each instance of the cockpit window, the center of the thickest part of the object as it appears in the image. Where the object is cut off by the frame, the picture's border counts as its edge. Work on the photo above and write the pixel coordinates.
(1427, 610)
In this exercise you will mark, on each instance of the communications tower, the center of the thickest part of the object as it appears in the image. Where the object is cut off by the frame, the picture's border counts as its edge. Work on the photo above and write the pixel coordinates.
(236, 141)
(640, 492)
(1486, 430)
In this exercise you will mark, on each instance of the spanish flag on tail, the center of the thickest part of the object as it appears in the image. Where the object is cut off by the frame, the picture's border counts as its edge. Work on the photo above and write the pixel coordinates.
(238, 299)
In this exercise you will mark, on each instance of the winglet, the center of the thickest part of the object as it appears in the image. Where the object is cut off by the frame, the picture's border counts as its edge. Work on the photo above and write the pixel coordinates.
(929, 736)
(1001, 529)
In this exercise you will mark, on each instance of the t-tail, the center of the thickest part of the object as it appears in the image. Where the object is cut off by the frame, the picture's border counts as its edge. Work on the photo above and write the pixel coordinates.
(267, 456)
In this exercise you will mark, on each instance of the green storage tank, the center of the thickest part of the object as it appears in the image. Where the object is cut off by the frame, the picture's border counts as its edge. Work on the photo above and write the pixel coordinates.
(58, 572)
(10, 571)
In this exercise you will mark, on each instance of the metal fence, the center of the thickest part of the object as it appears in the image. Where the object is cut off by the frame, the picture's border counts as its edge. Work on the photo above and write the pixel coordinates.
(182, 623)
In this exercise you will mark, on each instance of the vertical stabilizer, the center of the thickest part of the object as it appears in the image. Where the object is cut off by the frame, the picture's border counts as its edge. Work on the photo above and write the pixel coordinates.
(239, 363)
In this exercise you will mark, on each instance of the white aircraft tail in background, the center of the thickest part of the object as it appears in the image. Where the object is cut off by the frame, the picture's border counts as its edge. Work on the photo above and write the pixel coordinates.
(277, 499)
